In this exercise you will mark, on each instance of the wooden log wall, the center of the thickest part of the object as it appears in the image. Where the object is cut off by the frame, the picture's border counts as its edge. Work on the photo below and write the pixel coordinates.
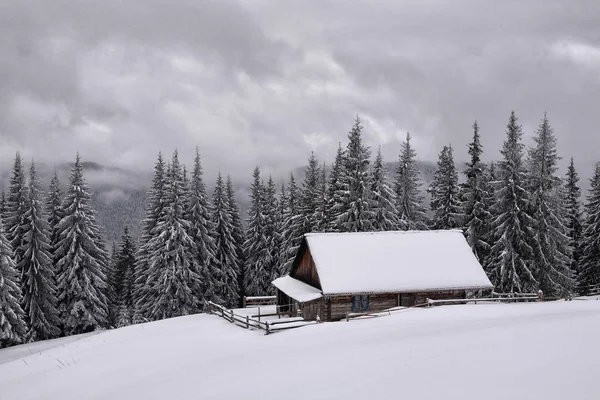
(337, 307)
(306, 271)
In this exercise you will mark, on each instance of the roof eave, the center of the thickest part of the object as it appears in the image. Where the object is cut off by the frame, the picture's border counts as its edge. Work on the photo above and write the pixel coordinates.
(445, 289)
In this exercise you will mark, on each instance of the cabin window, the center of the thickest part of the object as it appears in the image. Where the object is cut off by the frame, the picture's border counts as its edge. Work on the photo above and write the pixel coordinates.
(360, 303)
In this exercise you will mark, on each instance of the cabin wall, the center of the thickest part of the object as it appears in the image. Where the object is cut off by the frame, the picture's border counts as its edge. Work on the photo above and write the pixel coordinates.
(306, 270)
(337, 307)
(311, 309)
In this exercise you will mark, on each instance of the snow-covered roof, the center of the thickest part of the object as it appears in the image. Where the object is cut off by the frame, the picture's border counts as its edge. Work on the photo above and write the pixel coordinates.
(403, 261)
(296, 289)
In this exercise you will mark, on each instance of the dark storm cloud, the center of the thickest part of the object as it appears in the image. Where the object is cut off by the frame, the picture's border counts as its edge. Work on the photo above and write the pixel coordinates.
(265, 82)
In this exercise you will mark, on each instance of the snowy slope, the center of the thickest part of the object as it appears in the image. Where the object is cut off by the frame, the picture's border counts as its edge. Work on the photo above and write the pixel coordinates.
(497, 351)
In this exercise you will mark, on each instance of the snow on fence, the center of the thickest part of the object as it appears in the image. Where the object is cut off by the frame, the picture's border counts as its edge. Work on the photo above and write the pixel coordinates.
(252, 301)
(247, 322)
(431, 302)
(374, 314)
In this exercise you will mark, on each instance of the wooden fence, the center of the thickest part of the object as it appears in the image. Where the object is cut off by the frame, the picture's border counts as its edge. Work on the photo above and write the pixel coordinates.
(249, 322)
(431, 302)
(253, 301)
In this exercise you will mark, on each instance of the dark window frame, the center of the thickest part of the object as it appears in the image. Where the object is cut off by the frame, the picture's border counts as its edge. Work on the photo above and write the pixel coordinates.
(361, 303)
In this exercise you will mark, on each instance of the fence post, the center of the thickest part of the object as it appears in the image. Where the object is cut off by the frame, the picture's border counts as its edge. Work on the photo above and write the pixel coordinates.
(244, 302)
(231, 316)
(267, 325)
(259, 313)
(247, 322)
(540, 296)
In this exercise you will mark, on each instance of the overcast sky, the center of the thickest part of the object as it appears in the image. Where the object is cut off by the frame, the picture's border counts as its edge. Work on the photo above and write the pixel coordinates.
(265, 82)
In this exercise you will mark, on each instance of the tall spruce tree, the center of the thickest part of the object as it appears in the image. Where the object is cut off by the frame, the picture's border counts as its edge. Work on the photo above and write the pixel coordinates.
(356, 214)
(82, 261)
(155, 205)
(385, 213)
(238, 236)
(124, 278)
(201, 232)
(173, 268)
(38, 280)
(225, 245)
(552, 256)
(3, 207)
(17, 205)
(12, 318)
(271, 234)
(54, 213)
(257, 273)
(335, 191)
(477, 215)
(589, 263)
(320, 217)
(574, 215)
(409, 200)
(445, 195)
(292, 227)
(283, 210)
(511, 255)
(311, 197)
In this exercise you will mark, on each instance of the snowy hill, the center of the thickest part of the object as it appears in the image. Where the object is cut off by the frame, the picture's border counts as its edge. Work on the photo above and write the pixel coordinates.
(498, 351)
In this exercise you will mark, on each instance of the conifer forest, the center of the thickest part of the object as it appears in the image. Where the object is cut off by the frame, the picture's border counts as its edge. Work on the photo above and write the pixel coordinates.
(525, 220)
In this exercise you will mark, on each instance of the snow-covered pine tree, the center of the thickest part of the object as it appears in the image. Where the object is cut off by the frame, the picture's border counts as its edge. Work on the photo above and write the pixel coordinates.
(17, 205)
(257, 273)
(385, 213)
(238, 236)
(201, 231)
(574, 215)
(173, 279)
(111, 283)
(124, 279)
(54, 213)
(155, 204)
(271, 234)
(356, 214)
(311, 196)
(3, 208)
(225, 245)
(38, 281)
(445, 193)
(409, 200)
(511, 255)
(552, 257)
(335, 191)
(477, 215)
(292, 227)
(283, 209)
(81, 280)
(320, 217)
(589, 263)
(12, 318)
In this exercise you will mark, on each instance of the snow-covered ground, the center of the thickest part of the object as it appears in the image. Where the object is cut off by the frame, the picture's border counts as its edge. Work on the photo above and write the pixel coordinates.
(495, 351)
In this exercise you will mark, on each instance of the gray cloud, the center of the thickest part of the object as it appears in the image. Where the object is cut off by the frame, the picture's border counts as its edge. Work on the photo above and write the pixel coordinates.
(265, 82)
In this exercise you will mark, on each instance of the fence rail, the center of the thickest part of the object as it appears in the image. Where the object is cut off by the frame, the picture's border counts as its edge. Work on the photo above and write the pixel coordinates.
(432, 302)
(248, 322)
(252, 301)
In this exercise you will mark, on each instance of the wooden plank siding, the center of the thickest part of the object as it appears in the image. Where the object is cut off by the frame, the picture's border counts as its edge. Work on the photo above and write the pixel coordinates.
(338, 306)
(304, 269)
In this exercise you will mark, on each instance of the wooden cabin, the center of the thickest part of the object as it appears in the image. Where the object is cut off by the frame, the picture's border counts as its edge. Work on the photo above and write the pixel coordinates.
(334, 274)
